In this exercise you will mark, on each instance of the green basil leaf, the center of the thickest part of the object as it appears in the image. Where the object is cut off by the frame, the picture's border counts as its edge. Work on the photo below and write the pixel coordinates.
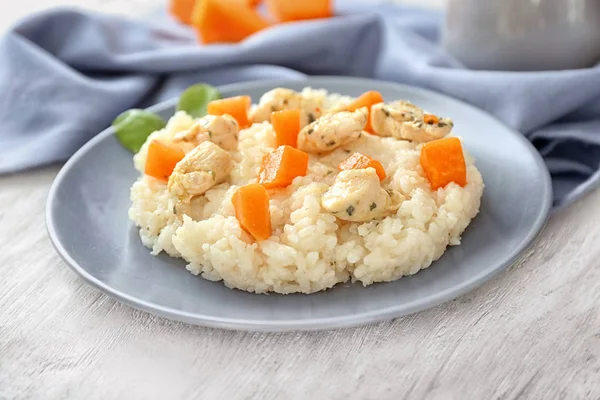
(133, 127)
(195, 99)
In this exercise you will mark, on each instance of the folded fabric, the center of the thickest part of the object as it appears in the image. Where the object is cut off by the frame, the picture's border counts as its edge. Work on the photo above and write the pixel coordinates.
(65, 74)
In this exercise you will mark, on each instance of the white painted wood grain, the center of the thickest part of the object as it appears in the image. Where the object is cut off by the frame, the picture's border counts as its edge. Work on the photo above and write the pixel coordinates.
(533, 332)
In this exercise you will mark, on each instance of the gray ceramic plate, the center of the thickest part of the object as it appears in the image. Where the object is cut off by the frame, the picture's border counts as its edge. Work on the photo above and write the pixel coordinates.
(88, 224)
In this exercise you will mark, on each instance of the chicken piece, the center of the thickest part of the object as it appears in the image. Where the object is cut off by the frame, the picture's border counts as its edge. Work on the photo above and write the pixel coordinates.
(202, 168)
(356, 195)
(405, 121)
(275, 100)
(387, 119)
(219, 129)
(332, 131)
(422, 132)
(310, 111)
(396, 199)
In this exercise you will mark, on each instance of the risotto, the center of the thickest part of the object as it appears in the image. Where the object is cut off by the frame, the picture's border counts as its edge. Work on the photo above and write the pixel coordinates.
(350, 206)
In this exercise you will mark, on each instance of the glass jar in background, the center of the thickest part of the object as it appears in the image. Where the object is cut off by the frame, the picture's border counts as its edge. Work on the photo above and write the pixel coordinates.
(523, 35)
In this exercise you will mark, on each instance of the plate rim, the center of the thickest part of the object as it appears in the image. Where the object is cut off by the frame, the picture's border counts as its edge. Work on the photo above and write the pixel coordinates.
(311, 324)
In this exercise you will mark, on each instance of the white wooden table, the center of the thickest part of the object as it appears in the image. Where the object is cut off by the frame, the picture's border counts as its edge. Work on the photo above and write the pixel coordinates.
(532, 332)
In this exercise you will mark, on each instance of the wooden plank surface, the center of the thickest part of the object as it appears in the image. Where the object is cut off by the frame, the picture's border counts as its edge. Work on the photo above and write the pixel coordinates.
(532, 332)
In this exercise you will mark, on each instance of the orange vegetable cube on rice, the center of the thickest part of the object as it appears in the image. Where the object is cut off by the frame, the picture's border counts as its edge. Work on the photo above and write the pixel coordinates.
(281, 166)
(367, 99)
(161, 160)
(251, 204)
(286, 124)
(361, 161)
(237, 107)
(443, 162)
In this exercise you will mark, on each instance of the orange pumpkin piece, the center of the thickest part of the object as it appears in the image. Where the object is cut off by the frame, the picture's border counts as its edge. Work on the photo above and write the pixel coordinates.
(286, 125)
(443, 162)
(237, 107)
(291, 10)
(182, 10)
(281, 166)
(161, 160)
(251, 204)
(226, 21)
(367, 99)
(360, 161)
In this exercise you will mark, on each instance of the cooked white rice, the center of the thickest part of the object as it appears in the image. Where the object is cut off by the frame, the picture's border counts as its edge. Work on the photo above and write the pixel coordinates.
(309, 250)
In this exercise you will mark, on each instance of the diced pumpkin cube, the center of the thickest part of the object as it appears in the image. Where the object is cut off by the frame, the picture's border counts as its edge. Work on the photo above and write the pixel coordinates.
(161, 160)
(281, 166)
(286, 124)
(361, 161)
(367, 99)
(291, 10)
(182, 10)
(443, 162)
(251, 204)
(226, 21)
(237, 107)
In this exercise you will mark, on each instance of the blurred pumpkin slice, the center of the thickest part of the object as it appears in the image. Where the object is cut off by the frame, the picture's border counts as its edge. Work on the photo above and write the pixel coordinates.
(289, 10)
(182, 10)
(226, 21)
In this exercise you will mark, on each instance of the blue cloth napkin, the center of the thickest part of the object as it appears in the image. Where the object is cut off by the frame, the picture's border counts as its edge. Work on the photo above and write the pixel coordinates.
(65, 74)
